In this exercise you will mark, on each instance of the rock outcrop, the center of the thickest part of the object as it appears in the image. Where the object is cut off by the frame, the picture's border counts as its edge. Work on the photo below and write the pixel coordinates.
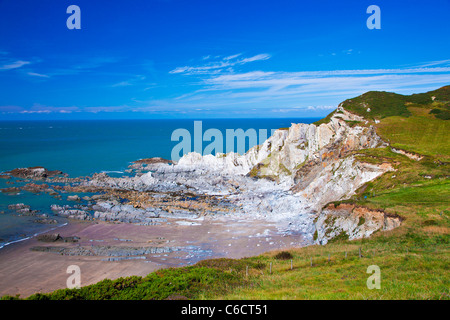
(108, 211)
(291, 176)
(71, 213)
(37, 173)
(348, 221)
(314, 161)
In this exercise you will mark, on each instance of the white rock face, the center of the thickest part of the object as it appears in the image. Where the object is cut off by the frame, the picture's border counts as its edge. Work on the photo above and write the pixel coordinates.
(339, 180)
(350, 222)
(282, 153)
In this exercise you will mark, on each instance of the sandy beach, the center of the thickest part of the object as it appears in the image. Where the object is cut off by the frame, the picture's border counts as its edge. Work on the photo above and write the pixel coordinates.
(25, 271)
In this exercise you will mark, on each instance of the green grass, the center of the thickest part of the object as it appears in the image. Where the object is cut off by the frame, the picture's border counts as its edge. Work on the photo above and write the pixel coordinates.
(381, 105)
(352, 123)
(419, 133)
(325, 120)
(413, 187)
(388, 104)
(412, 267)
(188, 282)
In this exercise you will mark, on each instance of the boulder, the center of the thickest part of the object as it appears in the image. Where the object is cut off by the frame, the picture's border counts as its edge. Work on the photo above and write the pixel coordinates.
(73, 198)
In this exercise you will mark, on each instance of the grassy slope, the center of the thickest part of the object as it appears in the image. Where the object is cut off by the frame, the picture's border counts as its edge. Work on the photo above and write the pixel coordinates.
(414, 258)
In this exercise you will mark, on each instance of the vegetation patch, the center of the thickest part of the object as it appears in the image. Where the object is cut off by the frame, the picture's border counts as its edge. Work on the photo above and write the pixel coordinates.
(342, 236)
(324, 120)
(284, 255)
(352, 123)
(441, 114)
(361, 221)
(378, 105)
(187, 282)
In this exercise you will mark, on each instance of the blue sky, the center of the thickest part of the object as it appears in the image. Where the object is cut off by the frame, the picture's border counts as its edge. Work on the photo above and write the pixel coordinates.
(213, 59)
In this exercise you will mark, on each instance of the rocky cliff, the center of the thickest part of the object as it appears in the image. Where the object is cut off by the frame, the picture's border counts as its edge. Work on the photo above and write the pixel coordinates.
(288, 179)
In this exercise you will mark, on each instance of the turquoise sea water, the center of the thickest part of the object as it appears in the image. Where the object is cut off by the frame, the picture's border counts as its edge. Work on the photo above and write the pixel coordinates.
(81, 148)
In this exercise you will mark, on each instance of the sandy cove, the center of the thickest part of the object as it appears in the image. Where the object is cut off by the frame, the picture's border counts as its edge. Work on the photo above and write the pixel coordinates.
(25, 271)
(177, 214)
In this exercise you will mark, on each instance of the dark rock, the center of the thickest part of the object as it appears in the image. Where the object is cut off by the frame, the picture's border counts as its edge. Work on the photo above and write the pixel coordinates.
(107, 251)
(34, 173)
(35, 188)
(11, 190)
(45, 221)
(49, 237)
(51, 192)
(73, 198)
(22, 209)
(153, 161)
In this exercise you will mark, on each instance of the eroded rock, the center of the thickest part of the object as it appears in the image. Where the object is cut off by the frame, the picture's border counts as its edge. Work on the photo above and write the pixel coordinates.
(347, 221)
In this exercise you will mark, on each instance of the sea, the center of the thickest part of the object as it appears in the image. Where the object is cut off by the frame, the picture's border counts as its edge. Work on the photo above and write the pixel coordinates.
(83, 147)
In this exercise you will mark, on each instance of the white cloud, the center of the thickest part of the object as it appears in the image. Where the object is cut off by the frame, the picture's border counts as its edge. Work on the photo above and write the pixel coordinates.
(315, 108)
(38, 108)
(435, 63)
(215, 67)
(310, 81)
(122, 84)
(326, 88)
(14, 65)
(34, 74)
(232, 56)
(258, 57)
(129, 82)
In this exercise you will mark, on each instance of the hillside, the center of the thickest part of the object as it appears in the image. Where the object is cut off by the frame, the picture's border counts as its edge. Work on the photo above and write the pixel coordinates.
(406, 134)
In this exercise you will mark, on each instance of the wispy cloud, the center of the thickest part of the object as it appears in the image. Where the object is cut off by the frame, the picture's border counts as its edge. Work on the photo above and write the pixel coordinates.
(95, 62)
(218, 66)
(232, 56)
(434, 63)
(35, 74)
(302, 108)
(129, 82)
(54, 68)
(260, 83)
(222, 88)
(320, 108)
(266, 89)
(14, 65)
(122, 84)
(37, 108)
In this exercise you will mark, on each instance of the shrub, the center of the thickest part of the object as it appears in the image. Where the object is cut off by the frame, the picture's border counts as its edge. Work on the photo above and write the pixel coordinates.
(283, 255)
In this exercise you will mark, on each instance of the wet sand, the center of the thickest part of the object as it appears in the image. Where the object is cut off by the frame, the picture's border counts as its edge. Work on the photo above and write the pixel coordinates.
(24, 272)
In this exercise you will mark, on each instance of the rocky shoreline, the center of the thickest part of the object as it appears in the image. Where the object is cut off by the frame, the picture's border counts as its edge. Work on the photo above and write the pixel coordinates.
(287, 180)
